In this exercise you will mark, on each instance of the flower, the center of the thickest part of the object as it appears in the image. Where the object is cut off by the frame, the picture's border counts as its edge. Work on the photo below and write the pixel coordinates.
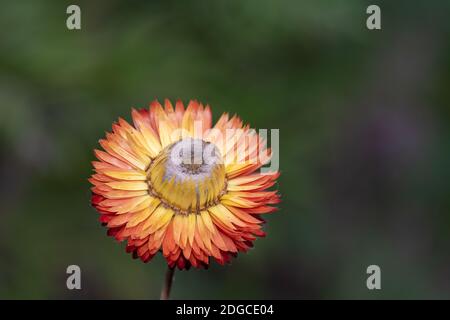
(173, 183)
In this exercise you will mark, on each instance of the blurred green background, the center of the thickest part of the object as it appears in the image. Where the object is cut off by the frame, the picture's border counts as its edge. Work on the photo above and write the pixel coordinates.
(364, 119)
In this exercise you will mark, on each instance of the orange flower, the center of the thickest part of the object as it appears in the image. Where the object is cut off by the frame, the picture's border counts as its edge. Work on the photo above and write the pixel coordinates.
(175, 184)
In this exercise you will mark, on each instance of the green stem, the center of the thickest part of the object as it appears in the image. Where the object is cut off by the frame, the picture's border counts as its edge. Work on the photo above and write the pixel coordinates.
(165, 292)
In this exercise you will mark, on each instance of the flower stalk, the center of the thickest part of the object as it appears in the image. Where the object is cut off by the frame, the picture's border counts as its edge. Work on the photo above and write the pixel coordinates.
(167, 286)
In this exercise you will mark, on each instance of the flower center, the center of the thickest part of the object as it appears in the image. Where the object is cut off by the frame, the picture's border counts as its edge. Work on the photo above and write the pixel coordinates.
(188, 176)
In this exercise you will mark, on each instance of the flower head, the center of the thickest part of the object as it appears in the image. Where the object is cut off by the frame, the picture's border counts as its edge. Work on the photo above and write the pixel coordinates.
(173, 183)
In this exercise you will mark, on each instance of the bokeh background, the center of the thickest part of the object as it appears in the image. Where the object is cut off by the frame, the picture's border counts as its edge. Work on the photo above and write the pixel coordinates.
(364, 119)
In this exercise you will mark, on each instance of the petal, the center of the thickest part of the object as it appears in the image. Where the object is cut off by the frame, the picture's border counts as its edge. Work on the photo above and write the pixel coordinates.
(128, 185)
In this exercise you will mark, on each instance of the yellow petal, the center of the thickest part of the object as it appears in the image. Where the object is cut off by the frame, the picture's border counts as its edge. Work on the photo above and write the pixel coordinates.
(165, 133)
(160, 217)
(152, 141)
(138, 163)
(128, 185)
(221, 213)
(191, 227)
(138, 217)
(184, 232)
(120, 194)
(177, 228)
(207, 221)
(126, 175)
